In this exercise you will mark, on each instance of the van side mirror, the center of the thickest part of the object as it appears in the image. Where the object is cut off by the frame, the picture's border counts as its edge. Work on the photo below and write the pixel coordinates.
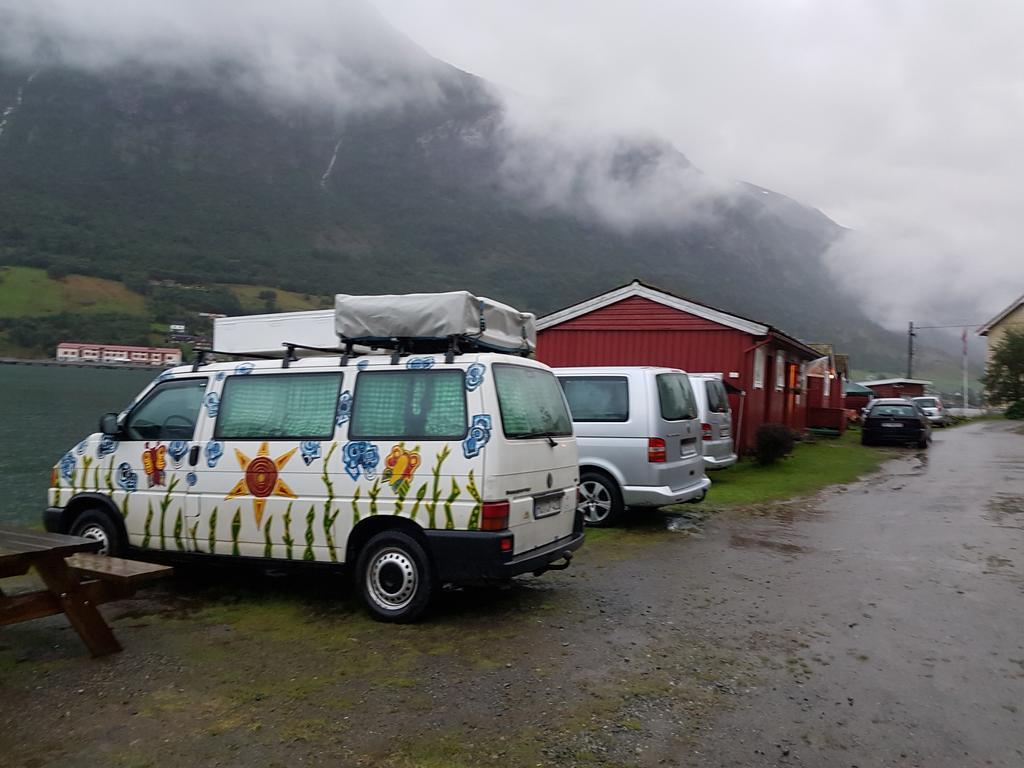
(109, 425)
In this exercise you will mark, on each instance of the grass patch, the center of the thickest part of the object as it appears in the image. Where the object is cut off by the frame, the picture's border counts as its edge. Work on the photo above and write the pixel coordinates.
(286, 301)
(811, 467)
(28, 291)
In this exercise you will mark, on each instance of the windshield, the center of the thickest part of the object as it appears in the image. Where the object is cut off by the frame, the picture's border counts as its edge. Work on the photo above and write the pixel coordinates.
(531, 402)
(676, 397)
(927, 402)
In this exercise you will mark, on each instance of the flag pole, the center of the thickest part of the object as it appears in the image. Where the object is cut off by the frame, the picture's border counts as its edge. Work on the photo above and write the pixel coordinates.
(963, 338)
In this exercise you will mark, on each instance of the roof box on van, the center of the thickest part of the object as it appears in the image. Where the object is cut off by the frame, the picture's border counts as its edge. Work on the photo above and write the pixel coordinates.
(421, 321)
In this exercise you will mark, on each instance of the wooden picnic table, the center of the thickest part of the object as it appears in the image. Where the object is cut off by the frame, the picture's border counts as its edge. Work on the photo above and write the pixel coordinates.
(62, 562)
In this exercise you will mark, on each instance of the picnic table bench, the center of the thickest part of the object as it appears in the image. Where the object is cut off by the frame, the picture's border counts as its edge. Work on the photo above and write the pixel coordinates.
(76, 582)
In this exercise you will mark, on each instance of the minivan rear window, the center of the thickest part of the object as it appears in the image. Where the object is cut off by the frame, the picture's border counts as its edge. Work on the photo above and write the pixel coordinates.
(597, 398)
(718, 401)
(409, 405)
(903, 411)
(927, 402)
(676, 396)
(530, 402)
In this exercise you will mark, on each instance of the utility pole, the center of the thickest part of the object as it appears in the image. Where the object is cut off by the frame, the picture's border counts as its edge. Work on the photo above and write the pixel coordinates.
(910, 350)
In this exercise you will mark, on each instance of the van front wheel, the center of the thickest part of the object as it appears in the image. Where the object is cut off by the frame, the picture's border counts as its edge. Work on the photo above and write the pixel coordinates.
(395, 577)
(600, 499)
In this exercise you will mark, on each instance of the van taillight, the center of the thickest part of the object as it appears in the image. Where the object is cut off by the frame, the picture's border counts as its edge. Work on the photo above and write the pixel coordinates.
(494, 516)
(705, 431)
(656, 450)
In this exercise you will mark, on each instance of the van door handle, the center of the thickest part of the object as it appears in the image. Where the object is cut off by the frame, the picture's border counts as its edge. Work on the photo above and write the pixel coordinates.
(193, 455)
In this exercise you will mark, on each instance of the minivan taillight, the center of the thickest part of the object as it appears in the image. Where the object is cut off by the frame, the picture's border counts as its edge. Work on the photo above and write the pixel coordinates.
(656, 450)
(494, 516)
(705, 431)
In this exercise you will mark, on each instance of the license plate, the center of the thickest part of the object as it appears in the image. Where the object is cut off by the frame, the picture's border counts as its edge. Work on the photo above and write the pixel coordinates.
(891, 424)
(546, 506)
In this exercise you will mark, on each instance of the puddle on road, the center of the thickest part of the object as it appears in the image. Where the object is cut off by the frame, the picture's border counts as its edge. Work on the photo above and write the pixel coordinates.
(1006, 510)
(688, 523)
(750, 542)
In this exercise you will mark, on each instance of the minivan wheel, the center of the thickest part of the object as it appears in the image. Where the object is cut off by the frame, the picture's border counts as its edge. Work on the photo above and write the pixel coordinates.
(395, 577)
(600, 499)
(96, 524)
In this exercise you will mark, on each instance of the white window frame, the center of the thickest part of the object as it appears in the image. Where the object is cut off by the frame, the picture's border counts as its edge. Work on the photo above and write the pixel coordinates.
(759, 365)
(780, 371)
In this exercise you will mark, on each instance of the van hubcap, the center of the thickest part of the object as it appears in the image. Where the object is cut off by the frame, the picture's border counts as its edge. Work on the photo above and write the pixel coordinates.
(392, 579)
(596, 503)
(96, 533)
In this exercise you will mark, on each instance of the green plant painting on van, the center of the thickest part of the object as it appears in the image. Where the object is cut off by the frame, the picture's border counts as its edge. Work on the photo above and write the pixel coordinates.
(289, 542)
(474, 492)
(165, 504)
(211, 539)
(307, 553)
(373, 493)
(108, 479)
(236, 528)
(192, 534)
(449, 521)
(148, 523)
(179, 527)
(431, 505)
(420, 495)
(268, 542)
(329, 517)
(355, 506)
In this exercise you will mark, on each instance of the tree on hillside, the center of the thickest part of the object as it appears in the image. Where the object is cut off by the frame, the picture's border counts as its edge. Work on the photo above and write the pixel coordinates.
(1004, 378)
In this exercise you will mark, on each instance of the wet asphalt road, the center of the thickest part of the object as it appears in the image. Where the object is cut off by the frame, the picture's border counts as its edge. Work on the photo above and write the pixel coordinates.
(902, 599)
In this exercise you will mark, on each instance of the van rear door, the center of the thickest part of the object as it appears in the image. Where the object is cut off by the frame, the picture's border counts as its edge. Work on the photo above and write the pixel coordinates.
(676, 421)
(531, 461)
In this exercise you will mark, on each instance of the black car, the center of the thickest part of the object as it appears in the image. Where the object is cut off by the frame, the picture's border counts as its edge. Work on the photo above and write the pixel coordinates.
(895, 420)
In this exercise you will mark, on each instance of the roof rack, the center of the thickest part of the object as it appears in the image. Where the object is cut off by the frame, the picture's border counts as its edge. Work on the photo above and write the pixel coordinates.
(202, 354)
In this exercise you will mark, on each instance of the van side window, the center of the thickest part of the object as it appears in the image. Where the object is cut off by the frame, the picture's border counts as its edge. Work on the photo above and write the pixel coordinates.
(168, 412)
(676, 396)
(718, 402)
(409, 405)
(597, 398)
(278, 406)
(531, 402)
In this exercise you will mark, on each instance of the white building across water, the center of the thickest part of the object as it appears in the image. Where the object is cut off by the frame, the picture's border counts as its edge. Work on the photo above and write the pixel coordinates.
(78, 352)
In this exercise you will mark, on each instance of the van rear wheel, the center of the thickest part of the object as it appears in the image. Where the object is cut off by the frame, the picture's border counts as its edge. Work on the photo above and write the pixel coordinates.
(395, 577)
(600, 499)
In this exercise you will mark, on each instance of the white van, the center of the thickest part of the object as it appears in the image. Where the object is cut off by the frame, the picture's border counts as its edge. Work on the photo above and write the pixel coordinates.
(715, 420)
(639, 439)
(418, 469)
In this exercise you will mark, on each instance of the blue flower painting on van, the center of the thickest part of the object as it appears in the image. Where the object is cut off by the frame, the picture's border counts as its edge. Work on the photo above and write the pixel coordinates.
(177, 450)
(191, 479)
(344, 407)
(214, 450)
(220, 376)
(363, 364)
(243, 368)
(107, 446)
(80, 448)
(212, 403)
(310, 451)
(67, 466)
(419, 363)
(478, 437)
(126, 478)
(475, 376)
(360, 456)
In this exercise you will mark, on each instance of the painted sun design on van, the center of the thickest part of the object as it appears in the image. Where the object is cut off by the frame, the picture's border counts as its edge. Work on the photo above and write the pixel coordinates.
(262, 478)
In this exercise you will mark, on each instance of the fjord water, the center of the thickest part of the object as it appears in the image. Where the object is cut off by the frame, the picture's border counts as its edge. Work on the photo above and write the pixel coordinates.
(47, 410)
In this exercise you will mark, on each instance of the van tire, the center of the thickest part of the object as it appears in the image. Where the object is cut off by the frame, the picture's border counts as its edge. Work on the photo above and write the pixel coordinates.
(97, 524)
(601, 500)
(395, 577)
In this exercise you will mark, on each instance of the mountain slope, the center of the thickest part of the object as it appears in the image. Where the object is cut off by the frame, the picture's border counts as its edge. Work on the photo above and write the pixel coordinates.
(134, 173)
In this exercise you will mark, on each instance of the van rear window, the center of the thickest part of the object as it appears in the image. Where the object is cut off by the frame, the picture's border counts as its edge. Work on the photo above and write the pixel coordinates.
(718, 401)
(530, 402)
(278, 406)
(676, 396)
(597, 398)
(409, 405)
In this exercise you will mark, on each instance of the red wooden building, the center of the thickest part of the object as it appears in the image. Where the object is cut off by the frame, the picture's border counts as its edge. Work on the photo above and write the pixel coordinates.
(897, 387)
(637, 324)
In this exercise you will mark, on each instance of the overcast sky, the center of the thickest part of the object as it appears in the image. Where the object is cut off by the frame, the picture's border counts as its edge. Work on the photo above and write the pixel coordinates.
(901, 119)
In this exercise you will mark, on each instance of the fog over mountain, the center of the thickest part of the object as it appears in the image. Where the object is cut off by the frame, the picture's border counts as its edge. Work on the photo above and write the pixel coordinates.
(317, 134)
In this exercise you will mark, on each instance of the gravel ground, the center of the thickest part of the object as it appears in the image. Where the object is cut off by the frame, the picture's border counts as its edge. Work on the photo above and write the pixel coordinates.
(878, 624)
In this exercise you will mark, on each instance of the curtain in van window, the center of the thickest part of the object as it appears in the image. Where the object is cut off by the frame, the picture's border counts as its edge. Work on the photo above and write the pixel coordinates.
(408, 405)
(530, 401)
(291, 405)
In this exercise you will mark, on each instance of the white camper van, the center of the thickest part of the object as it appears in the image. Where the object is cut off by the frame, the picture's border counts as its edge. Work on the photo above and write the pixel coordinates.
(416, 466)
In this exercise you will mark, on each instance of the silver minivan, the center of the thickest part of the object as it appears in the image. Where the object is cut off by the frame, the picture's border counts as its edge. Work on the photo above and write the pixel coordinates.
(715, 419)
(639, 438)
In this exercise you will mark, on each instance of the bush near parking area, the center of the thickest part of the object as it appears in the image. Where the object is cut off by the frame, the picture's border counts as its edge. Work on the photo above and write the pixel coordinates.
(772, 442)
(1016, 411)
